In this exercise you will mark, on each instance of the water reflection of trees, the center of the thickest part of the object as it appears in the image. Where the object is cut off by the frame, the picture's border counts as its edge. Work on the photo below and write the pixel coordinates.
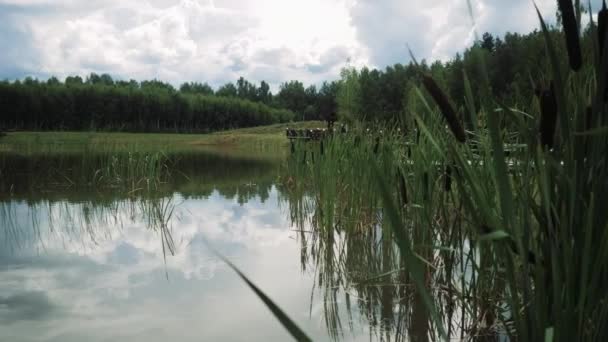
(48, 196)
(75, 177)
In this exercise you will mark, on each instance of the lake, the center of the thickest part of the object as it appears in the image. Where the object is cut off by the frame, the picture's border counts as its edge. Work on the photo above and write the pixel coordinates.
(81, 261)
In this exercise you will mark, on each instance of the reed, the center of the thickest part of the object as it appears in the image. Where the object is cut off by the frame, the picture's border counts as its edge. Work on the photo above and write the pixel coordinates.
(128, 172)
(499, 236)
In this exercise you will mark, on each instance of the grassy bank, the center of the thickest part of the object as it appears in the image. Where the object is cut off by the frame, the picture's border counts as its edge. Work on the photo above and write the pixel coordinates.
(261, 139)
(131, 162)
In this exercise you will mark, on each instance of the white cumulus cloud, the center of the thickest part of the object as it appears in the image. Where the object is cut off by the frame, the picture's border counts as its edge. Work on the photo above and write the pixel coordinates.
(218, 41)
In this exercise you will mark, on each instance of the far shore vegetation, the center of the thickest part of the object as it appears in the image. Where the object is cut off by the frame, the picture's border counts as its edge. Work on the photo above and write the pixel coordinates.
(270, 138)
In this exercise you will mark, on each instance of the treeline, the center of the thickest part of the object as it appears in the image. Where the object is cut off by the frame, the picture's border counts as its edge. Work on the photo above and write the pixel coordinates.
(99, 103)
(516, 65)
(308, 103)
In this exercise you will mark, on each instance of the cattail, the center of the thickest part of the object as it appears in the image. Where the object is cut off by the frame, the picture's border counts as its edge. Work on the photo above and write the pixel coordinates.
(602, 26)
(446, 107)
(402, 188)
(548, 116)
(448, 178)
(322, 149)
(293, 147)
(376, 145)
(602, 20)
(304, 158)
(571, 31)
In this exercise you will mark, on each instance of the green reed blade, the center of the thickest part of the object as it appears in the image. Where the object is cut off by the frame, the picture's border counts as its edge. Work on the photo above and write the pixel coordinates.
(295, 331)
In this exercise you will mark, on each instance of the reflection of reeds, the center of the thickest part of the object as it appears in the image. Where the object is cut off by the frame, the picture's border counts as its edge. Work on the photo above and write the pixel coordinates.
(158, 213)
(78, 222)
(138, 176)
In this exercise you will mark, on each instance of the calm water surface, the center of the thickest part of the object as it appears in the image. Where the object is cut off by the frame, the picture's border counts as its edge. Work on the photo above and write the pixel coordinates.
(79, 264)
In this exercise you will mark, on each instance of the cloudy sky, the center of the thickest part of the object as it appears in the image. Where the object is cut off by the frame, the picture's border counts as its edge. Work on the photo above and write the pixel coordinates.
(219, 40)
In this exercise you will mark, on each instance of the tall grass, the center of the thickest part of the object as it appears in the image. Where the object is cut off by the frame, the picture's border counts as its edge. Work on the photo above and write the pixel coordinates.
(501, 235)
(128, 172)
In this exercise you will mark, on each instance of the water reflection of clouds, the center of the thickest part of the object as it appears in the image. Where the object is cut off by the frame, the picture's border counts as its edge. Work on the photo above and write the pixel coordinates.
(26, 306)
(114, 286)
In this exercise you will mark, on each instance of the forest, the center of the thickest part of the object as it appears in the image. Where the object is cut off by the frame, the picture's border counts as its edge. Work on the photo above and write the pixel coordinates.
(98, 102)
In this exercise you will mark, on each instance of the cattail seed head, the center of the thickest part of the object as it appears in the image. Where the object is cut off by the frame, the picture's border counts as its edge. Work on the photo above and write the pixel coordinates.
(446, 108)
(602, 20)
(602, 27)
(571, 31)
(548, 116)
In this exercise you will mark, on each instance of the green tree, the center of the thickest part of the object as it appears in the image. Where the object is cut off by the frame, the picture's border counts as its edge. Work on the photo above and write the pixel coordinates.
(196, 88)
(227, 90)
(327, 105)
(263, 93)
(349, 95)
(292, 96)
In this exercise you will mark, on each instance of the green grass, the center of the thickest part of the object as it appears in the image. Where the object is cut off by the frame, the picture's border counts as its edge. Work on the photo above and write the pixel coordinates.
(256, 139)
(131, 161)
